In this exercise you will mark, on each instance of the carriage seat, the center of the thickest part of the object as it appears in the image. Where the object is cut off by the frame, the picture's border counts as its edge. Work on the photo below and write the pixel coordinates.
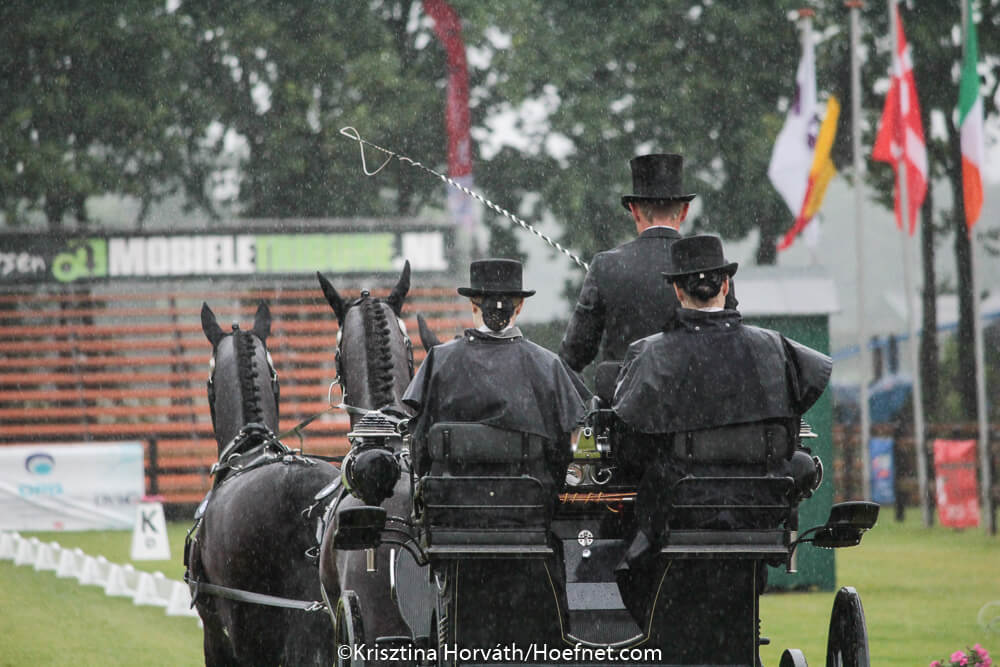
(487, 488)
(735, 476)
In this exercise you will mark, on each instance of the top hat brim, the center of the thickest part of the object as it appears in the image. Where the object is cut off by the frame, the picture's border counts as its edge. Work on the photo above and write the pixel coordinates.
(478, 291)
(729, 268)
(627, 199)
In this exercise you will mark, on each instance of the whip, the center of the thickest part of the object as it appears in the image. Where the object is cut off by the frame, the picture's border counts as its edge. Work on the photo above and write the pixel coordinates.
(352, 133)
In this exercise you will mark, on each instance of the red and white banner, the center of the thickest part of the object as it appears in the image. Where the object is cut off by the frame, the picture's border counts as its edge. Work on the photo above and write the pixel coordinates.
(901, 132)
(448, 28)
(955, 471)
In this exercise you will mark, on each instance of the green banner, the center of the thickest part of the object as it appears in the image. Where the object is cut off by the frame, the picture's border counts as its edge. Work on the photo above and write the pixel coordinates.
(40, 258)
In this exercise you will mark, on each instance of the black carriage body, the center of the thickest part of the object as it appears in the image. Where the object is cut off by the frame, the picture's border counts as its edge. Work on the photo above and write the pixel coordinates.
(508, 567)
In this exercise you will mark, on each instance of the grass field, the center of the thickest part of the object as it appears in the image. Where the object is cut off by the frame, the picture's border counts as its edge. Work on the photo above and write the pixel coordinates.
(922, 590)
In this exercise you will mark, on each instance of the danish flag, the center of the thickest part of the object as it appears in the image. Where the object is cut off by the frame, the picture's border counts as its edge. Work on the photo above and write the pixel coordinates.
(901, 132)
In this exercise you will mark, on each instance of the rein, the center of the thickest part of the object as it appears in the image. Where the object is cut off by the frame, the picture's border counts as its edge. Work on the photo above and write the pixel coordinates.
(199, 587)
(352, 133)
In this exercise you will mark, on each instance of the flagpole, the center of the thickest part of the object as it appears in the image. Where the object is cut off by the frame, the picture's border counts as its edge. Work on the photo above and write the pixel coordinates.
(865, 428)
(986, 474)
(988, 517)
(918, 399)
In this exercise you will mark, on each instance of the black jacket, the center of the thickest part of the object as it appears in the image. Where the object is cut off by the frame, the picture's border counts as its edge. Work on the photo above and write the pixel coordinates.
(709, 369)
(503, 381)
(624, 298)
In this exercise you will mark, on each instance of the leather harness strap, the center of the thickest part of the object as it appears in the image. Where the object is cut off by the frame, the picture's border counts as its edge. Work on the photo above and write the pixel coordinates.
(199, 587)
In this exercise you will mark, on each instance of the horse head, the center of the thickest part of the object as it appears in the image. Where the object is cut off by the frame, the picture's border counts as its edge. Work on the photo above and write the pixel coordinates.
(242, 384)
(374, 353)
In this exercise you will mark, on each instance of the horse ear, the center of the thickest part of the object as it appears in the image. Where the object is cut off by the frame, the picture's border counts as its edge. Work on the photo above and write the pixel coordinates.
(210, 325)
(398, 295)
(332, 297)
(262, 322)
(427, 337)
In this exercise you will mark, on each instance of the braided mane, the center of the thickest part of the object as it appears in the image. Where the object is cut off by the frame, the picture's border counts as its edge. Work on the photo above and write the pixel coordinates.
(378, 352)
(249, 387)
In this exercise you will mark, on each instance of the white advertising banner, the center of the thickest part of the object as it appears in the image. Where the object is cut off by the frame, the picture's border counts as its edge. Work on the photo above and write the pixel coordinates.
(92, 486)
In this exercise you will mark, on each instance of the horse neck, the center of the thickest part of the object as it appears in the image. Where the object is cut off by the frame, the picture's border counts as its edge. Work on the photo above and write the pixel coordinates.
(252, 389)
(383, 355)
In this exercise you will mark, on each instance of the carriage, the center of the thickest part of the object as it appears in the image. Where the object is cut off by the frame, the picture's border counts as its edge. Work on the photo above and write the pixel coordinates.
(473, 561)
(486, 569)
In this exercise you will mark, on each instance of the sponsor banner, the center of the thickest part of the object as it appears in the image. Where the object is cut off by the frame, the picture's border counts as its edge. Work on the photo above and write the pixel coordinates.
(883, 470)
(39, 258)
(955, 473)
(93, 486)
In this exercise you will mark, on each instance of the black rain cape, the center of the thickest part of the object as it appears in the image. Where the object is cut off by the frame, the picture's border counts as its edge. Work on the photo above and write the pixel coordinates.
(709, 369)
(502, 380)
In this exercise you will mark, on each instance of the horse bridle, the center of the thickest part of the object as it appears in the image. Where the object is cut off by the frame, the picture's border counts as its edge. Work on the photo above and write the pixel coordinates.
(272, 371)
(338, 364)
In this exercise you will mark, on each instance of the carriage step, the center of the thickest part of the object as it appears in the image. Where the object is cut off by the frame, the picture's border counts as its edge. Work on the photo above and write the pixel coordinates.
(603, 628)
(603, 596)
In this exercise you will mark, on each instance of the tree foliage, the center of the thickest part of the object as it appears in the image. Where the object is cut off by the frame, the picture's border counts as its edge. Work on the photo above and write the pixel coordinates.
(96, 98)
(701, 79)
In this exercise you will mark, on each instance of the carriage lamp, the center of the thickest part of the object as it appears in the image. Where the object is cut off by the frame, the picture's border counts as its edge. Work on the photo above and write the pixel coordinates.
(370, 470)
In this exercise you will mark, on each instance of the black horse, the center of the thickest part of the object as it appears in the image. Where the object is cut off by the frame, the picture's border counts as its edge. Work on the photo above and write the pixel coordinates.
(375, 365)
(254, 534)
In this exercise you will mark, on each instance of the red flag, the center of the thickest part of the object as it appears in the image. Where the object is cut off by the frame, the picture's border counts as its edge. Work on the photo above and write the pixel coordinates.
(901, 132)
(448, 28)
(955, 473)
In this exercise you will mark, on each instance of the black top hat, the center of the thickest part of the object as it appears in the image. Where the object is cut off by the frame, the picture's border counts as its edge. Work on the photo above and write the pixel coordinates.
(698, 254)
(657, 177)
(495, 276)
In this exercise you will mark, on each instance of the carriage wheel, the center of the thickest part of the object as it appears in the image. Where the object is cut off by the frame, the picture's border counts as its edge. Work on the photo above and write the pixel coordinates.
(847, 645)
(348, 628)
(793, 657)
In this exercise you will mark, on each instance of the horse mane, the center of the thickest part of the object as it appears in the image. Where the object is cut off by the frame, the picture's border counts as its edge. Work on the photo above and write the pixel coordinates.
(249, 388)
(378, 352)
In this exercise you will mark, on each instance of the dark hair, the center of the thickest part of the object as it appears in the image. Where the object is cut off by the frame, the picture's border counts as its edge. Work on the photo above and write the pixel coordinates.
(493, 317)
(702, 286)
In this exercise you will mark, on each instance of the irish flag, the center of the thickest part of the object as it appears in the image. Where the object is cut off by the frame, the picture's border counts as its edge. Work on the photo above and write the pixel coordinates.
(970, 114)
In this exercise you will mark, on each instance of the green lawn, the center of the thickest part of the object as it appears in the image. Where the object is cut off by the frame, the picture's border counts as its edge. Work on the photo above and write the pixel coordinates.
(921, 589)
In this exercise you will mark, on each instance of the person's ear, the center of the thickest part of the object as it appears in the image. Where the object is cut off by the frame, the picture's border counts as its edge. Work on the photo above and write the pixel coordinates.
(684, 210)
(677, 291)
(725, 286)
(634, 210)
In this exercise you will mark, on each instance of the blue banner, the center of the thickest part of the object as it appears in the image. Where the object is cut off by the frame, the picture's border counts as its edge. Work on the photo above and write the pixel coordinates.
(883, 472)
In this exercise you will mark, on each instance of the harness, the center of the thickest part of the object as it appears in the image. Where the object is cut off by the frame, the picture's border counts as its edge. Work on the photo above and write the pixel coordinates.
(256, 446)
(253, 447)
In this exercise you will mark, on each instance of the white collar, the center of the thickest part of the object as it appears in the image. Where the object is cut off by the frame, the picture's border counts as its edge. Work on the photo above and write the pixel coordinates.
(486, 329)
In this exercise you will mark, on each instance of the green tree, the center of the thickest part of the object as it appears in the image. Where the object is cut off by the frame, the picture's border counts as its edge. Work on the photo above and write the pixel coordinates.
(701, 79)
(95, 98)
(288, 76)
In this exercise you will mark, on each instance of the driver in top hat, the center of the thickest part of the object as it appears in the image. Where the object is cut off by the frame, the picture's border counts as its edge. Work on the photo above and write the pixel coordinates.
(493, 375)
(623, 297)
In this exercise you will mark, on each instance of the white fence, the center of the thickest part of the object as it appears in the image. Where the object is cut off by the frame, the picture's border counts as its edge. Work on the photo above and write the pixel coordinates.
(116, 580)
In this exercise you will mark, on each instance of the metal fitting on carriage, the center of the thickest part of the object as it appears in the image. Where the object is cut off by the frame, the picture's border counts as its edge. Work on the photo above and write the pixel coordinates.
(370, 470)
